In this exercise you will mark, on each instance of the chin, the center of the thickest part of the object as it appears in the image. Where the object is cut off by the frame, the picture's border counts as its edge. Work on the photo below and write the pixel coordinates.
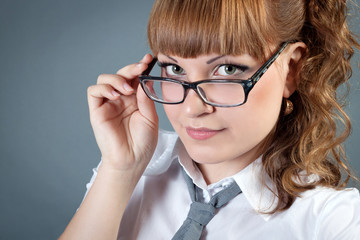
(232, 155)
(206, 155)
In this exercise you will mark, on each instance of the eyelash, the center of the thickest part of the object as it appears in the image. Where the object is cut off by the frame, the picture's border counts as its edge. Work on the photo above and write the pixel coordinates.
(165, 64)
(242, 68)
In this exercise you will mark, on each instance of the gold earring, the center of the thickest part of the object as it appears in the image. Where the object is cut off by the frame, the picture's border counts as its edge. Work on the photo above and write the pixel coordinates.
(289, 107)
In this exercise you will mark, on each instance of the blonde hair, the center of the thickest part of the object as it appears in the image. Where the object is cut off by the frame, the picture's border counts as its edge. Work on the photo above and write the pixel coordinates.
(309, 139)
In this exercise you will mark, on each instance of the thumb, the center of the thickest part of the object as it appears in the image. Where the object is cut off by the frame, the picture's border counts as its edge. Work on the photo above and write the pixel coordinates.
(146, 106)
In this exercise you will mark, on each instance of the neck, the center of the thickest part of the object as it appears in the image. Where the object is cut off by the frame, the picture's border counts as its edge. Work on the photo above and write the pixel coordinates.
(215, 172)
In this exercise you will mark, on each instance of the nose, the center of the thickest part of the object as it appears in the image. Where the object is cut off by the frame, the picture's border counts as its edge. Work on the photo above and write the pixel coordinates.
(194, 106)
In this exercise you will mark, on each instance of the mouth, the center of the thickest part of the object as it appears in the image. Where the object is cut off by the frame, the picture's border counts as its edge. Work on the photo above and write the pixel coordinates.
(202, 133)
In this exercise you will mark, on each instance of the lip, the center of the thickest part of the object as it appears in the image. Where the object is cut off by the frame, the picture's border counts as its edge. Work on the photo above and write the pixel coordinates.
(201, 133)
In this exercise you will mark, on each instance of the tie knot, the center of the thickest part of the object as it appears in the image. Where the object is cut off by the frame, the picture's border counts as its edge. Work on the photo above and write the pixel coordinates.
(201, 213)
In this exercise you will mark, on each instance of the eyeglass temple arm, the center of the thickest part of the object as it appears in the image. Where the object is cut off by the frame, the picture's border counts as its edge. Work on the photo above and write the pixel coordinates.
(255, 78)
(150, 67)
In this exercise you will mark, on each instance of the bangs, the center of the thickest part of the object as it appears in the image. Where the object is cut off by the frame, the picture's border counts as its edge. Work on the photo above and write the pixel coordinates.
(189, 28)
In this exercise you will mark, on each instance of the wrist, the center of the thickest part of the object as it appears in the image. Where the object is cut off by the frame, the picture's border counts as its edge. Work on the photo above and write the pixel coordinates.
(126, 177)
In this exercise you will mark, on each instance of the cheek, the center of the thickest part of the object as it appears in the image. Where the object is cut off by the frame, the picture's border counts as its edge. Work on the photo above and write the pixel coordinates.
(260, 113)
(266, 98)
(172, 112)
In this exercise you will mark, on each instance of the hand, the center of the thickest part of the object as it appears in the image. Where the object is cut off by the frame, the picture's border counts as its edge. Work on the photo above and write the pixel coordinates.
(124, 120)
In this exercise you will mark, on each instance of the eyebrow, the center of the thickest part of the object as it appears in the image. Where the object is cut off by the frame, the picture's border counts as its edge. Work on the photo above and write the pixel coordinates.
(172, 58)
(214, 59)
(208, 62)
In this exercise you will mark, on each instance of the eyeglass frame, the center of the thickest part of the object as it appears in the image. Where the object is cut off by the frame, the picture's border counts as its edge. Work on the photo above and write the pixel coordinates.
(247, 85)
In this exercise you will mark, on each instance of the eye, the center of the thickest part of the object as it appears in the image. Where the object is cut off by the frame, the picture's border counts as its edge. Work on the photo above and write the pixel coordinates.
(230, 69)
(173, 69)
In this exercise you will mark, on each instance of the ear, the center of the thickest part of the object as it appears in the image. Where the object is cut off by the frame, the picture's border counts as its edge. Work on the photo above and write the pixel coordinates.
(295, 54)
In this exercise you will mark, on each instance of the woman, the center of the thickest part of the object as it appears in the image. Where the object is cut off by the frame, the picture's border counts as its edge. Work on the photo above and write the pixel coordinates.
(250, 89)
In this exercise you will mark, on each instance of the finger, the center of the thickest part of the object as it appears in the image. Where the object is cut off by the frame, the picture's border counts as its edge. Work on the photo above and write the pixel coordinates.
(97, 94)
(146, 106)
(117, 82)
(146, 59)
(132, 71)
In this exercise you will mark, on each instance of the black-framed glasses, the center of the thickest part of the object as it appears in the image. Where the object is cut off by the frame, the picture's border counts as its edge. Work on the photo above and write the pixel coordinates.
(215, 92)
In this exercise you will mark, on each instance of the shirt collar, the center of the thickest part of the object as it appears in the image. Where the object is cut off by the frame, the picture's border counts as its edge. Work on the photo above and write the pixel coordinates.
(190, 167)
(252, 180)
(257, 187)
(165, 152)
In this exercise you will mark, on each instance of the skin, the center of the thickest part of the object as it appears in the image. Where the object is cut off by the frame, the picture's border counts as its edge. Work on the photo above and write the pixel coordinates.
(125, 125)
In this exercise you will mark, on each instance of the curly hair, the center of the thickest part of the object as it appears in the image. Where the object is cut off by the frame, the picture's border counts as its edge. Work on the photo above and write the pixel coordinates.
(309, 140)
(319, 120)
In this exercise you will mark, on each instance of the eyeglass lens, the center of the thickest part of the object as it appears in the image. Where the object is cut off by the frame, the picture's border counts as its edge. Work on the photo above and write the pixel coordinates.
(226, 93)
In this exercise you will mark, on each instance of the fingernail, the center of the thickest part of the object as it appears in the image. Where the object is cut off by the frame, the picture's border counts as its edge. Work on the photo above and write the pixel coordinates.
(127, 87)
(139, 65)
(115, 93)
(144, 57)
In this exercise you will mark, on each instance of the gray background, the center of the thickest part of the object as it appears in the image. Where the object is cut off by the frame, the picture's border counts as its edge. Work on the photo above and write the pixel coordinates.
(50, 52)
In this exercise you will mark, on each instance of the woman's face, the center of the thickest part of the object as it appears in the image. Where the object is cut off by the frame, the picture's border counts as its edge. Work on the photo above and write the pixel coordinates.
(227, 139)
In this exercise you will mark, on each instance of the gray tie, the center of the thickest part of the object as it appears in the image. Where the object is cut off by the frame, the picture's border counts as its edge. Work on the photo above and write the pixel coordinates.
(200, 214)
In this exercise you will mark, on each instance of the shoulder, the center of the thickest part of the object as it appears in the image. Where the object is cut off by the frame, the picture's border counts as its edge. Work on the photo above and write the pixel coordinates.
(337, 212)
(325, 195)
(152, 205)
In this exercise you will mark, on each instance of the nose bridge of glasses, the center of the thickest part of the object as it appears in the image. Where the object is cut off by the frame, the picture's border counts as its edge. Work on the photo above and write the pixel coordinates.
(194, 86)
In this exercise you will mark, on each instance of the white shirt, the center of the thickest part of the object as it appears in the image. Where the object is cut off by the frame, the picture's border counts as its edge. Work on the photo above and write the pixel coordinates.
(161, 201)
